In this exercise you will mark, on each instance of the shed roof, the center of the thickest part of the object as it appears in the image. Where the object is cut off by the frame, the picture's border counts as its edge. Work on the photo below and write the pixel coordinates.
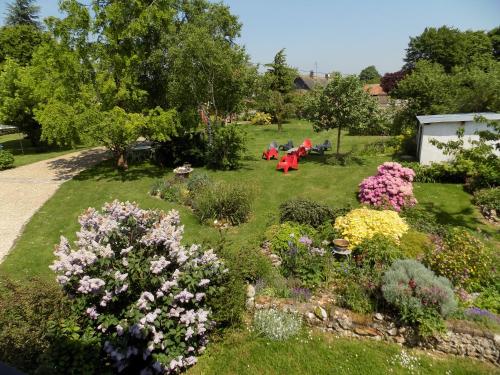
(457, 117)
(374, 89)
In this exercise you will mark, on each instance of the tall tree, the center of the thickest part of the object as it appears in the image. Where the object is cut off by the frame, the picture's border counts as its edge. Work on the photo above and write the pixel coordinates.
(342, 104)
(494, 35)
(277, 85)
(450, 47)
(22, 12)
(369, 75)
(389, 81)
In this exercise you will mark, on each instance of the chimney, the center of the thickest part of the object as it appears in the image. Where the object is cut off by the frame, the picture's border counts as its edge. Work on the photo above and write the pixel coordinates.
(311, 74)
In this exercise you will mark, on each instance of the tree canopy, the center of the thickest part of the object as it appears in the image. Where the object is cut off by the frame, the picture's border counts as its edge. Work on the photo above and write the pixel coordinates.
(369, 75)
(342, 104)
(450, 47)
(22, 12)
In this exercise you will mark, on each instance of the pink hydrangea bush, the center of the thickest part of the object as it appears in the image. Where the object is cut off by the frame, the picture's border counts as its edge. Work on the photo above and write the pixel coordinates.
(391, 187)
(139, 289)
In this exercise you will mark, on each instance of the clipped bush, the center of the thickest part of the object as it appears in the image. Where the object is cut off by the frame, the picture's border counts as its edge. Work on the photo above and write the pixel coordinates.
(26, 310)
(462, 258)
(6, 159)
(422, 298)
(363, 223)
(224, 201)
(391, 187)
(261, 118)
(227, 147)
(305, 211)
(276, 325)
(137, 289)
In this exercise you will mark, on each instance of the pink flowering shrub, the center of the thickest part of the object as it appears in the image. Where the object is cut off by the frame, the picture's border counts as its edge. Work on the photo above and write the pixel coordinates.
(138, 289)
(391, 187)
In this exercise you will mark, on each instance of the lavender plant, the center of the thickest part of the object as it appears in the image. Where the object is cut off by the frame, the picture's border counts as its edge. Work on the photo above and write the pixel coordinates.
(138, 288)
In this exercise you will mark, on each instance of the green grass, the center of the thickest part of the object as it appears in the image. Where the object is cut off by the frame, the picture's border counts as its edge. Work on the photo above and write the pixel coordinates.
(25, 153)
(334, 185)
(242, 353)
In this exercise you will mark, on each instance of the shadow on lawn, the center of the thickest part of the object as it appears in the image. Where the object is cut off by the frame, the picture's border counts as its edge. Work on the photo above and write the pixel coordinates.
(107, 171)
(462, 218)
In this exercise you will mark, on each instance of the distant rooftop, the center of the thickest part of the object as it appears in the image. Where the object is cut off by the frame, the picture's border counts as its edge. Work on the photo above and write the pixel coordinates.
(457, 117)
(374, 89)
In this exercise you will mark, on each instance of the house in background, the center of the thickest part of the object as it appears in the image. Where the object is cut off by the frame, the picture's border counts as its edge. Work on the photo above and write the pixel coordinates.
(376, 91)
(444, 129)
(310, 81)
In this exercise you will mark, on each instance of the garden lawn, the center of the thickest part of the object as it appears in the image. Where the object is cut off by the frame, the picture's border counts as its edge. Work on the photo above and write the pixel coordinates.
(318, 353)
(25, 153)
(334, 185)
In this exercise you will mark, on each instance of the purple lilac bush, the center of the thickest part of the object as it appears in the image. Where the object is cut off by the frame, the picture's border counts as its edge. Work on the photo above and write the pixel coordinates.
(141, 291)
(391, 187)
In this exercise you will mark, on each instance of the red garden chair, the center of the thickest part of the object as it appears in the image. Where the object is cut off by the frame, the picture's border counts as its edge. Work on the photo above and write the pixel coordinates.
(307, 144)
(301, 151)
(288, 161)
(271, 153)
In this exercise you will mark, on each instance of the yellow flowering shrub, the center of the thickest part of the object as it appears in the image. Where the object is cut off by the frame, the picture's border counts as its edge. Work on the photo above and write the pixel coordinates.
(363, 223)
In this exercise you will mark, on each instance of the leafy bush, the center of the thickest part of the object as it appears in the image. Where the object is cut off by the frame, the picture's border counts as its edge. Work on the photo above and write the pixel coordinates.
(171, 190)
(280, 235)
(261, 118)
(489, 299)
(421, 297)
(6, 159)
(197, 182)
(276, 325)
(226, 150)
(363, 223)
(26, 310)
(355, 297)
(414, 244)
(305, 211)
(377, 253)
(436, 172)
(390, 188)
(189, 147)
(488, 199)
(223, 201)
(137, 289)
(460, 257)
(305, 262)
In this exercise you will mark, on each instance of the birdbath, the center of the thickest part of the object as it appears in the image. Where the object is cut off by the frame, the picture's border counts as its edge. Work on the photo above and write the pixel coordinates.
(341, 247)
(183, 172)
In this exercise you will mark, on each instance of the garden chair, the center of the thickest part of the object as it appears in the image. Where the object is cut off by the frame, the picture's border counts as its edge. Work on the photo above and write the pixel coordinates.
(287, 146)
(301, 151)
(288, 161)
(321, 148)
(307, 144)
(272, 151)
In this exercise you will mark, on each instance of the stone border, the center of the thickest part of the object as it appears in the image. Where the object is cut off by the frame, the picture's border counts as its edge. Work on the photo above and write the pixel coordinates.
(477, 344)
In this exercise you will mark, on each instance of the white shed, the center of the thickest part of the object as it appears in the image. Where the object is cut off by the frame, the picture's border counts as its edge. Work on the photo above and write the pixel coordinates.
(444, 128)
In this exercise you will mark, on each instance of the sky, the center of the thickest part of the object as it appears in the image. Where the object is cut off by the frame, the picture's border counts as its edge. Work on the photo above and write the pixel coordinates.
(341, 35)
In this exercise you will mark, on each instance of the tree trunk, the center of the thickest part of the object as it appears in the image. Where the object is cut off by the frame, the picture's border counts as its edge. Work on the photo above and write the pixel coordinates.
(280, 127)
(122, 160)
(338, 142)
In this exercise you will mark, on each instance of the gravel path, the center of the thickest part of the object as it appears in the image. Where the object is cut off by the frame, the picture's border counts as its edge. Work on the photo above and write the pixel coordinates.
(23, 190)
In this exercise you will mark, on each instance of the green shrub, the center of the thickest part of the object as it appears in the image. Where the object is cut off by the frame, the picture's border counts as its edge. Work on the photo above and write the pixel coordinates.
(462, 258)
(280, 235)
(6, 159)
(26, 310)
(489, 299)
(261, 118)
(305, 211)
(228, 145)
(422, 298)
(224, 201)
(355, 297)
(415, 244)
(488, 199)
(437, 172)
(171, 190)
(276, 325)
(197, 182)
(377, 253)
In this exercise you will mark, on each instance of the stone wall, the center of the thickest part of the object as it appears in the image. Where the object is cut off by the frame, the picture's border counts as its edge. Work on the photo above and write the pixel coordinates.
(319, 313)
